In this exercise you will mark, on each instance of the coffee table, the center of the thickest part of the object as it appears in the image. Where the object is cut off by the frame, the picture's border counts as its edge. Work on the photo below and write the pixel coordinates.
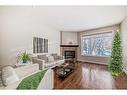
(64, 72)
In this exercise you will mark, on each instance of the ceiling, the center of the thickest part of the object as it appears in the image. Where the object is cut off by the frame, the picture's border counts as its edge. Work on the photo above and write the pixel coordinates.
(78, 18)
(72, 18)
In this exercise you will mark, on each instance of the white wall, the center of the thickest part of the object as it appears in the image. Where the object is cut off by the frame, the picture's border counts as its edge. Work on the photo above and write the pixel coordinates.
(67, 37)
(19, 26)
(124, 39)
(0, 36)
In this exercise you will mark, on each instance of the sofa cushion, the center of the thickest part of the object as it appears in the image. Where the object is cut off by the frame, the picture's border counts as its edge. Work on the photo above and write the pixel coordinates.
(50, 64)
(60, 61)
(55, 56)
(9, 75)
(50, 58)
(43, 57)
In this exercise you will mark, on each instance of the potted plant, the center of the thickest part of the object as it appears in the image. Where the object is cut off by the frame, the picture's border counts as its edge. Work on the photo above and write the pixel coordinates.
(24, 57)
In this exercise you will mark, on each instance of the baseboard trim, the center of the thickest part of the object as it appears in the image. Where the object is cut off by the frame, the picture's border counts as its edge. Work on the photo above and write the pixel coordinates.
(125, 71)
(93, 62)
(99, 63)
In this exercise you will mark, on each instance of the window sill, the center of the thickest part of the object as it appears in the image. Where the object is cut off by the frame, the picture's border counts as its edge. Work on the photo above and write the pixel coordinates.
(95, 56)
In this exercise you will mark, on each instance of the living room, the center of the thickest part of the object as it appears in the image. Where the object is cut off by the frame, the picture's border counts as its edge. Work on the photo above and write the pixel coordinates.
(69, 33)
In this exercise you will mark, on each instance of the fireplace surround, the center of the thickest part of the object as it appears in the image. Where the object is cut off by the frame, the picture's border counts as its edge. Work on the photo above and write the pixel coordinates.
(69, 51)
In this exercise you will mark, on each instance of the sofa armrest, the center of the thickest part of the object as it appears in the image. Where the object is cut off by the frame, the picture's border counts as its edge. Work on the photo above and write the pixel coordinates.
(48, 80)
(26, 70)
(40, 62)
(61, 57)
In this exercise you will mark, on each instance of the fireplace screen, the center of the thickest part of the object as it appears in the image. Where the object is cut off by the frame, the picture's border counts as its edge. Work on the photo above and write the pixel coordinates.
(69, 54)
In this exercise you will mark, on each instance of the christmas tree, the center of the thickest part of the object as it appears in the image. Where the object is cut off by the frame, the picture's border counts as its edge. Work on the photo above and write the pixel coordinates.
(116, 60)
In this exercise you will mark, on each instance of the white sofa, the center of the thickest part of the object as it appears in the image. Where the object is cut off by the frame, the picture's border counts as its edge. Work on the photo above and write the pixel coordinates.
(12, 81)
(47, 61)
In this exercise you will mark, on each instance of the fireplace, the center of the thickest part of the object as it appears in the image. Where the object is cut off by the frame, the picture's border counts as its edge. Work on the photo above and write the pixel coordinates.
(69, 51)
(69, 54)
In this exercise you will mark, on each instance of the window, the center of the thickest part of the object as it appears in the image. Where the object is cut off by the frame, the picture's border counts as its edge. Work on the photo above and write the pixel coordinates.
(97, 44)
(40, 45)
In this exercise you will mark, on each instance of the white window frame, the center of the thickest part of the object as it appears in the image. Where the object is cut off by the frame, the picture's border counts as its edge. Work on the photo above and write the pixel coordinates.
(111, 31)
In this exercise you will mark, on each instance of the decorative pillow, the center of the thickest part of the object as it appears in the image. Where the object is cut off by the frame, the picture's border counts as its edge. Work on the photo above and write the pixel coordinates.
(55, 56)
(50, 58)
(9, 75)
(43, 57)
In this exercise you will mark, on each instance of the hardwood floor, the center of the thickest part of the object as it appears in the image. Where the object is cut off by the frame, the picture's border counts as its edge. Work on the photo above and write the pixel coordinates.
(90, 76)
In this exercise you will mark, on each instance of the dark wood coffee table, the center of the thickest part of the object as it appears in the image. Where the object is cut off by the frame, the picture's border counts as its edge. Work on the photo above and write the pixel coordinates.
(64, 72)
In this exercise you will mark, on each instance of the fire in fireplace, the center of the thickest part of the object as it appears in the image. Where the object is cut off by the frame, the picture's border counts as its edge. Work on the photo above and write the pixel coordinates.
(69, 54)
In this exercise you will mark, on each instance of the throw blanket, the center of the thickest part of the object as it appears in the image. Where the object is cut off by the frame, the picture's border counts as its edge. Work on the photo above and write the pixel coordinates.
(32, 82)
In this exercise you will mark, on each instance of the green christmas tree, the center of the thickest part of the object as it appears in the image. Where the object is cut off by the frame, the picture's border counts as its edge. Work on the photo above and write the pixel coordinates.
(116, 60)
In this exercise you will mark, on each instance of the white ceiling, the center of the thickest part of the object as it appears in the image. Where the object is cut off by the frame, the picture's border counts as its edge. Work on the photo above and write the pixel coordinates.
(78, 18)
(74, 18)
